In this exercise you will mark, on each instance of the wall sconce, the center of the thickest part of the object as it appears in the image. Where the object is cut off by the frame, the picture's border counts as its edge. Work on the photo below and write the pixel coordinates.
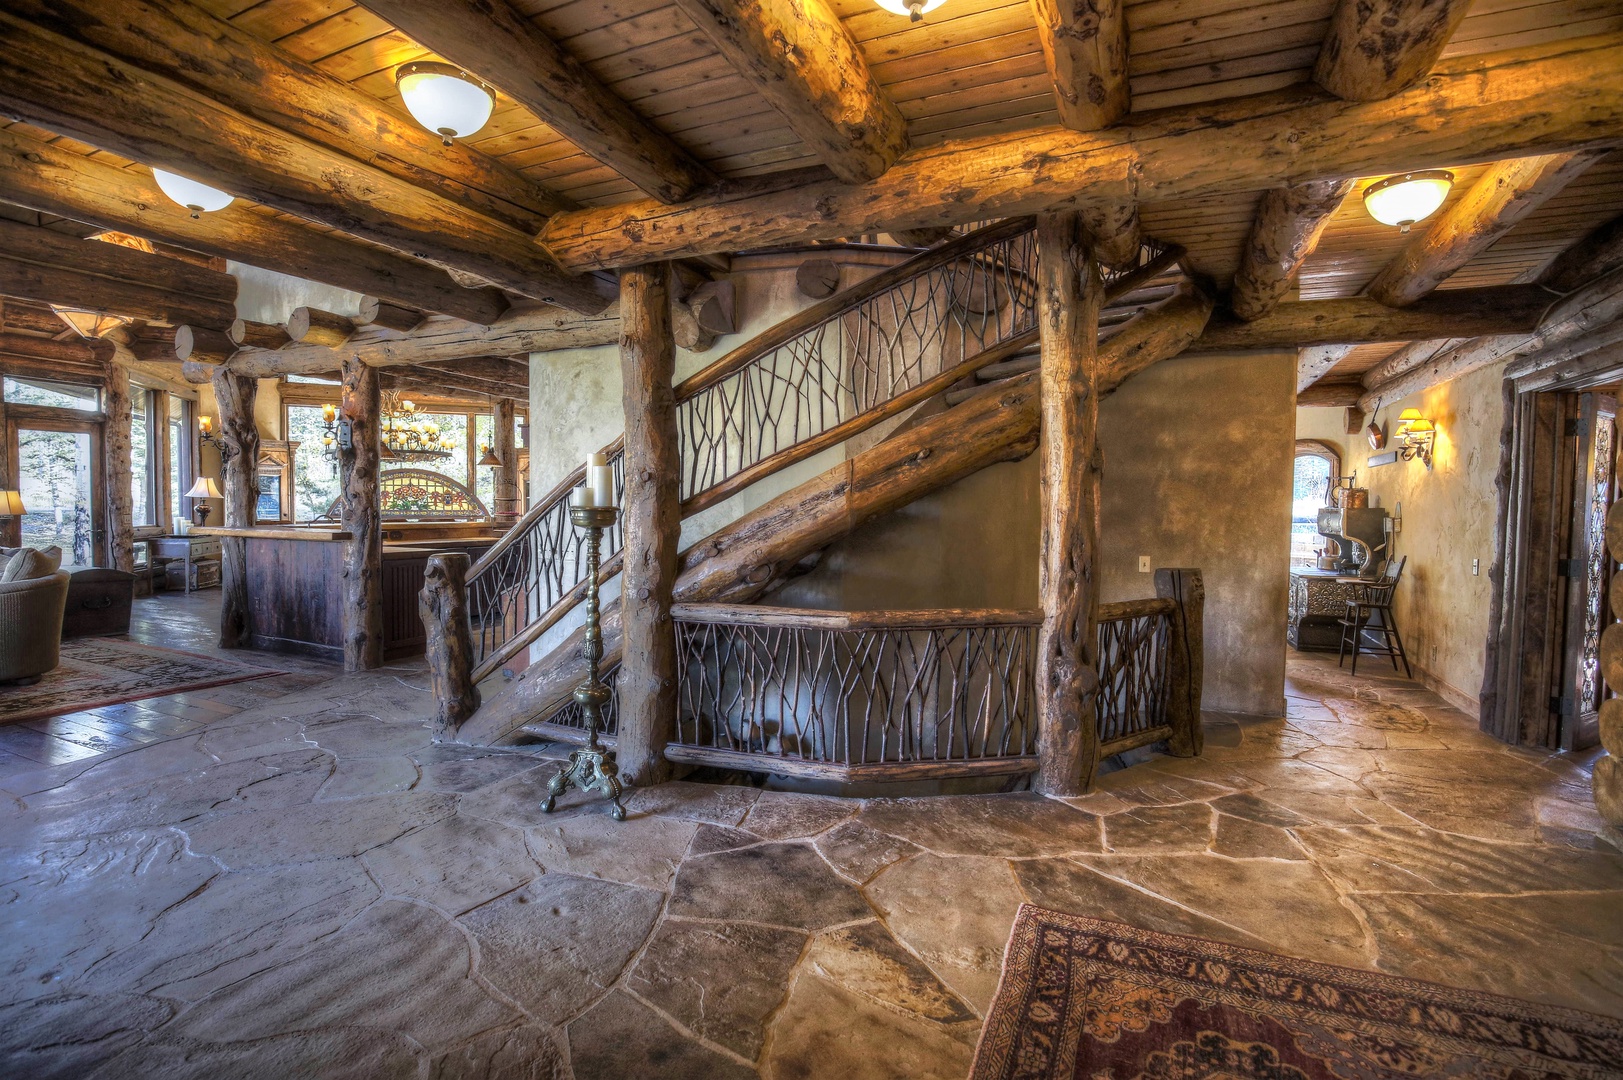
(1416, 436)
(205, 431)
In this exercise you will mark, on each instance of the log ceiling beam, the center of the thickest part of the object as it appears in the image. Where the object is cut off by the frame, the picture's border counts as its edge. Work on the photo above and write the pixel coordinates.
(178, 39)
(30, 316)
(1542, 99)
(62, 85)
(1113, 232)
(425, 379)
(493, 369)
(52, 180)
(1497, 309)
(501, 46)
(69, 287)
(35, 244)
(1289, 222)
(1340, 394)
(1377, 48)
(1085, 47)
(1596, 255)
(803, 60)
(74, 350)
(1505, 194)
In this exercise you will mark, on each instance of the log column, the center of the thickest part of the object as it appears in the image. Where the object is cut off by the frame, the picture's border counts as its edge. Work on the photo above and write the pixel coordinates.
(1186, 657)
(506, 502)
(1069, 292)
(362, 518)
(116, 440)
(443, 606)
(239, 456)
(652, 525)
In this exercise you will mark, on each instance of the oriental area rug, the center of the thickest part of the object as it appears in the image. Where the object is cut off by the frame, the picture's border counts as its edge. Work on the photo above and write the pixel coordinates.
(107, 671)
(1085, 999)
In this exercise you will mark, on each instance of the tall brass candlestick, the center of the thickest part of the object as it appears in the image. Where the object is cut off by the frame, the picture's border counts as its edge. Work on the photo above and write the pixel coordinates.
(591, 767)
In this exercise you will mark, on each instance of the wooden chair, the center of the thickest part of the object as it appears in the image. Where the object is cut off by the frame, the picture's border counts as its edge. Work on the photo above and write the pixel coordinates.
(1371, 613)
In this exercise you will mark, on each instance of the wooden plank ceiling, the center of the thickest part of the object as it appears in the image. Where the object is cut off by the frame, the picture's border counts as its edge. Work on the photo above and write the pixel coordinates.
(971, 68)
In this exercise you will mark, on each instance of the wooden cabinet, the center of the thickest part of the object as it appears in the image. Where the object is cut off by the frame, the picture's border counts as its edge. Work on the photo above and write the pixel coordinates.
(194, 560)
(275, 505)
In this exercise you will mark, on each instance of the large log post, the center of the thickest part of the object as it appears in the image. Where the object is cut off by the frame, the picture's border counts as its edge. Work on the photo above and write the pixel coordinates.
(239, 456)
(1186, 657)
(116, 440)
(506, 501)
(1069, 290)
(1608, 775)
(362, 518)
(443, 607)
(652, 526)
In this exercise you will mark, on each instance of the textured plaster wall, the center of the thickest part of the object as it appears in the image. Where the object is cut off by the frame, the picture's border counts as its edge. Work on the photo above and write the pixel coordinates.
(1447, 522)
(1328, 426)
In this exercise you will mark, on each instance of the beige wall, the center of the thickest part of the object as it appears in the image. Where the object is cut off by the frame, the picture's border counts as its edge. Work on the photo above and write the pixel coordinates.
(1447, 524)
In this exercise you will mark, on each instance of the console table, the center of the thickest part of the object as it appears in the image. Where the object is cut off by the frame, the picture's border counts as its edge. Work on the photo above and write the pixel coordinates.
(200, 555)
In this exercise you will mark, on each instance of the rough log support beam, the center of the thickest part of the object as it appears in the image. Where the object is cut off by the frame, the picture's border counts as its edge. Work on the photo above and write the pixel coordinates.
(112, 296)
(362, 517)
(804, 61)
(506, 501)
(737, 564)
(1416, 352)
(312, 326)
(652, 526)
(375, 312)
(1541, 99)
(247, 334)
(1085, 46)
(1186, 657)
(1326, 395)
(203, 345)
(117, 447)
(1376, 48)
(496, 42)
(443, 606)
(1287, 228)
(1595, 256)
(1164, 330)
(239, 459)
(1505, 194)
(1113, 232)
(70, 350)
(61, 85)
(52, 180)
(1069, 288)
(202, 293)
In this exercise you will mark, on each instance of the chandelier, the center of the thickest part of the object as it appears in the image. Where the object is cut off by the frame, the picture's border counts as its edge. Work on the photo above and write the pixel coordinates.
(409, 435)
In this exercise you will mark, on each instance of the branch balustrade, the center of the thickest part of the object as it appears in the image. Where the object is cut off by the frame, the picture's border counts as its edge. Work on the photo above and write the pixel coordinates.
(836, 369)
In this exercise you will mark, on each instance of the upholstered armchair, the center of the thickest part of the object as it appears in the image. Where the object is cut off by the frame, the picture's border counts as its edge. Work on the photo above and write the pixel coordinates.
(31, 607)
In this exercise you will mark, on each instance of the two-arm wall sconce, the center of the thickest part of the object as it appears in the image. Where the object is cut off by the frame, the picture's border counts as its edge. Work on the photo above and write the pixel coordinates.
(205, 431)
(1416, 436)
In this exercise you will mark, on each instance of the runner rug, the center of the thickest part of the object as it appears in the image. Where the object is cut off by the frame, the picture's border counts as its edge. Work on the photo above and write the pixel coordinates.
(107, 671)
(1083, 998)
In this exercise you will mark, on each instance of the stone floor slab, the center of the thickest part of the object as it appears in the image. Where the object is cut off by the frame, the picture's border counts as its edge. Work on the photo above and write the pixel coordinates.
(859, 851)
(455, 864)
(643, 852)
(326, 830)
(866, 960)
(826, 1031)
(778, 884)
(622, 1038)
(1020, 826)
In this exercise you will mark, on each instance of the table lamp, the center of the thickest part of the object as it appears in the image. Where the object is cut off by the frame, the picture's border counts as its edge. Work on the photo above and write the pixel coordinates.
(204, 488)
(11, 504)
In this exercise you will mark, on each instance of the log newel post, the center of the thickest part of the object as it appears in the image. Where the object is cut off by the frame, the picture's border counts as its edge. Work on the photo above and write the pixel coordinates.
(443, 607)
(362, 518)
(120, 470)
(238, 436)
(1185, 657)
(505, 504)
(1069, 294)
(652, 519)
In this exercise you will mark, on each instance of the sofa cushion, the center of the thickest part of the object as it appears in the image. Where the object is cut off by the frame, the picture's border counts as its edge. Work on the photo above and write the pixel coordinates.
(30, 563)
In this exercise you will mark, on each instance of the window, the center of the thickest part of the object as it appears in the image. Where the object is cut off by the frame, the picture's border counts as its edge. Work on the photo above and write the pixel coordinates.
(1318, 467)
(52, 394)
(143, 473)
(484, 476)
(315, 476)
(180, 454)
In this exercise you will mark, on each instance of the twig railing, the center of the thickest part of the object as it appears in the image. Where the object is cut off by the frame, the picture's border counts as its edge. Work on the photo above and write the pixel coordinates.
(834, 370)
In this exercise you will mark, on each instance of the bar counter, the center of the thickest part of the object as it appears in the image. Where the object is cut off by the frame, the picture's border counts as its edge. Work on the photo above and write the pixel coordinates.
(295, 575)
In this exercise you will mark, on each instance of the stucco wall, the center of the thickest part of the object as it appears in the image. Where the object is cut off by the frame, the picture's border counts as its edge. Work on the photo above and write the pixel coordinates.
(1447, 523)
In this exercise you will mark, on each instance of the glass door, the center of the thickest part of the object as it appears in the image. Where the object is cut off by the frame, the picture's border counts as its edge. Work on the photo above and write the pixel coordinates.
(60, 485)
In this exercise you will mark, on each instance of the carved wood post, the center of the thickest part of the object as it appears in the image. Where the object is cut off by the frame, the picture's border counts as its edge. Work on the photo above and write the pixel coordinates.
(1069, 291)
(652, 525)
(1186, 660)
(162, 450)
(362, 518)
(116, 444)
(505, 503)
(239, 457)
(443, 607)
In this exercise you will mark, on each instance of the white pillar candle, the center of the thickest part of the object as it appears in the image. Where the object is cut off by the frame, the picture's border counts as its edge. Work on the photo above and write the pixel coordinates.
(580, 496)
(601, 479)
(596, 459)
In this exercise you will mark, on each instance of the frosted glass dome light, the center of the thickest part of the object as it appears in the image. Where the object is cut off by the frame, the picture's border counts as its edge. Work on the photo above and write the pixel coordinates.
(1407, 198)
(196, 197)
(444, 99)
(913, 9)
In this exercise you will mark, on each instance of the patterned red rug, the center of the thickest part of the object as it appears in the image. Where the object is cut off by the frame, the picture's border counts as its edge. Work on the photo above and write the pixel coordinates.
(111, 671)
(1085, 999)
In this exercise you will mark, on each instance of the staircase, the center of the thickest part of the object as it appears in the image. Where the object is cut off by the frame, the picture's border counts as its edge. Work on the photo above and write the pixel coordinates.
(864, 356)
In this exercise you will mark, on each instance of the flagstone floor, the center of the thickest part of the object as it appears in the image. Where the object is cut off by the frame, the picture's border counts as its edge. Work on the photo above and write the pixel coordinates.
(309, 887)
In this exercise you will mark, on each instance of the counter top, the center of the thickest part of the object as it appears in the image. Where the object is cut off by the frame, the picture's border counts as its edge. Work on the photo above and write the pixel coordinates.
(275, 532)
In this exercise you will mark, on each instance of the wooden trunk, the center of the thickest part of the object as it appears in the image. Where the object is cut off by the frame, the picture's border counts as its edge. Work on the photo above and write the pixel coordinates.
(652, 526)
(506, 501)
(116, 444)
(443, 605)
(239, 459)
(1069, 289)
(362, 518)
(1186, 652)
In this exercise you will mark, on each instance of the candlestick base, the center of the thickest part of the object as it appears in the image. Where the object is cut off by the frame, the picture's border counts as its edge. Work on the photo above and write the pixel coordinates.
(589, 770)
(593, 517)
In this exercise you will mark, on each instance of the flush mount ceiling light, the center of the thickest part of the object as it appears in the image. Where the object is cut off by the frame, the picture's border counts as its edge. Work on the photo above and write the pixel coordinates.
(913, 9)
(198, 198)
(1407, 198)
(444, 99)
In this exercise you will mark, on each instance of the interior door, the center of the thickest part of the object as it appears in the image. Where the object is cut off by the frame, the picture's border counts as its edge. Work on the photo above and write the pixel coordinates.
(1588, 571)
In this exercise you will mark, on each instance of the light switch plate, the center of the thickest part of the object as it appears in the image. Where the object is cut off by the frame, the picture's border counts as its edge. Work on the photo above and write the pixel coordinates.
(1143, 564)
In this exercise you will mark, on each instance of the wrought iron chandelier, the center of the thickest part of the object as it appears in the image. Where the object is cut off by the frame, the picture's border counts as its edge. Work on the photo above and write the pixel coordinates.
(409, 435)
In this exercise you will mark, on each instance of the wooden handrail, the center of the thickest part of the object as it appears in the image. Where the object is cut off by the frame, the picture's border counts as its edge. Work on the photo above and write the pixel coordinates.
(816, 619)
(1135, 609)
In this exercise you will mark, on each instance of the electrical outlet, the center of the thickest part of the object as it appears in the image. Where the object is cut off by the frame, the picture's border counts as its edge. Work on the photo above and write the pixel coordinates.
(1143, 564)
(1476, 567)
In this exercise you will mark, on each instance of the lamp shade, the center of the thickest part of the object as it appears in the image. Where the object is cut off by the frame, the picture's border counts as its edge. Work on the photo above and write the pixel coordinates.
(913, 9)
(444, 99)
(490, 459)
(1409, 416)
(1419, 427)
(204, 488)
(11, 504)
(1407, 198)
(196, 197)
